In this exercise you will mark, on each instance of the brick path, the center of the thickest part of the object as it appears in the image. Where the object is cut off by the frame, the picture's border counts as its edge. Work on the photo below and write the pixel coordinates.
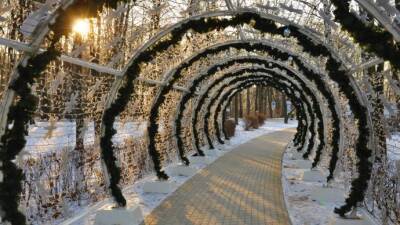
(243, 187)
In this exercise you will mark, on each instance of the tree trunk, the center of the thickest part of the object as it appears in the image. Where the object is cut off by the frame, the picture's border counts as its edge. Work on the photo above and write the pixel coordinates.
(236, 109)
(240, 105)
(256, 99)
(285, 113)
(248, 101)
(270, 102)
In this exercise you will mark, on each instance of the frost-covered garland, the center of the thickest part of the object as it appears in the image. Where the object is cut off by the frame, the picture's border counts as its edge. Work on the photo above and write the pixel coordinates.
(21, 112)
(311, 75)
(202, 25)
(316, 78)
(297, 136)
(372, 38)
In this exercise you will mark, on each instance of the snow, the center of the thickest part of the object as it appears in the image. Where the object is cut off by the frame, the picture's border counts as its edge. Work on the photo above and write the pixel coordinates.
(148, 201)
(303, 199)
(63, 135)
(271, 125)
(393, 147)
(312, 201)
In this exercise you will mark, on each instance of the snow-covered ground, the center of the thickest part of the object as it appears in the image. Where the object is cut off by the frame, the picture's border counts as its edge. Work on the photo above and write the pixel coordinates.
(304, 205)
(148, 201)
(393, 147)
(308, 199)
(47, 136)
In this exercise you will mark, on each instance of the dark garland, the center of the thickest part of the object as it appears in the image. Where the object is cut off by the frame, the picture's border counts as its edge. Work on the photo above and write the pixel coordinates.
(360, 184)
(225, 98)
(372, 38)
(199, 105)
(308, 92)
(20, 113)
(322, 141)
(311, 125)
(227, 101)
(300, 135)
(236, 73)
(296, 104)
(337, 74)
(202, 25)
(320, 127)
(13, 140)
(299, 118)
(218, 109)
(335, 119)
(296, 138)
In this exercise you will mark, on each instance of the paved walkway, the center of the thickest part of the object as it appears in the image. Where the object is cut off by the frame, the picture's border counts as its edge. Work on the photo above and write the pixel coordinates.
(243, 187)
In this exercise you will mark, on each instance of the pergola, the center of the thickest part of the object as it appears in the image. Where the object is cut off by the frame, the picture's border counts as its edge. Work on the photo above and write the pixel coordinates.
(173, 67)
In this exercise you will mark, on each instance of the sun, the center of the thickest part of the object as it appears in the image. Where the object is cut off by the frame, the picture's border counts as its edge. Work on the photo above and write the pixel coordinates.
(82, 27)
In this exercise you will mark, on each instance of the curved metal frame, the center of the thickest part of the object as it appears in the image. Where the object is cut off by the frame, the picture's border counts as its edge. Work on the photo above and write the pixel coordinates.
(225, 103)
(44, 30)
(230, 89)
(267, 60)
(213, 97)
(252, 43)
(360, 101)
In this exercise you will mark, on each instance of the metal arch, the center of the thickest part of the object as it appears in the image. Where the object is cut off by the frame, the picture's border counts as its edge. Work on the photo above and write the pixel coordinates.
(225, 103)
(306, 31)
(267, 75)
(265, 69)
(268, 60)
(361, 98)
(318, 97)
(170, 73)
(9, 95)
(34, 46)
(274, 61)
(383, 19)
(194, 117)
(307, 83)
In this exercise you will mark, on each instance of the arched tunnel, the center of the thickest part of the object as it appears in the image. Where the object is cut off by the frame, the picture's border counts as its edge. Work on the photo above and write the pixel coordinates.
(101, 98)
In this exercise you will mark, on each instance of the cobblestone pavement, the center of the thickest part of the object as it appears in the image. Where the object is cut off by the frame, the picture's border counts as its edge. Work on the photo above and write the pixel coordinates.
(243, 187)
